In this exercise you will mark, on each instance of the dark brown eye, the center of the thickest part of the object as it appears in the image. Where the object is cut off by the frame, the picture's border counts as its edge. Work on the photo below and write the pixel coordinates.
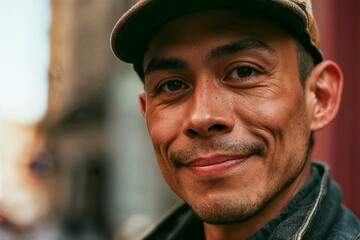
(173, 85)
(244, 72)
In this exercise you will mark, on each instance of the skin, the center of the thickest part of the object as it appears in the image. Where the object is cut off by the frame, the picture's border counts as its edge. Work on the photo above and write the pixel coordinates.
(229, 119)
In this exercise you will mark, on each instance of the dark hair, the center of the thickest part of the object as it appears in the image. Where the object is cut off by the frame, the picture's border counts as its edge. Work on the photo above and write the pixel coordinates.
(305, 62)
(305, 65)
(139, 70)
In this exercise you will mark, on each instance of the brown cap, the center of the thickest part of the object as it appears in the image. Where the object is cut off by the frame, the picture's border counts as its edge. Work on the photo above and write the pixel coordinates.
(130, 36)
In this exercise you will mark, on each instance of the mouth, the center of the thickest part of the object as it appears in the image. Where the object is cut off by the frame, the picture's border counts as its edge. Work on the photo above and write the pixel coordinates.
(213, 165)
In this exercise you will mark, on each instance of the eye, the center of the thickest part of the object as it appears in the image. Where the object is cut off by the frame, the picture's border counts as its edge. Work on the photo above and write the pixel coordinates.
(243, 72)
(172, 86)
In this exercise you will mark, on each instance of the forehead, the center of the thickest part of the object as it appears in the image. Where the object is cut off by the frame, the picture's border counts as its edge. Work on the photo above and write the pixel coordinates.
(216, 24)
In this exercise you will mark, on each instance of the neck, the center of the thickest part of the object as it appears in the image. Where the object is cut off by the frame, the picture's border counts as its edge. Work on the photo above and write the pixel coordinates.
(247, 228)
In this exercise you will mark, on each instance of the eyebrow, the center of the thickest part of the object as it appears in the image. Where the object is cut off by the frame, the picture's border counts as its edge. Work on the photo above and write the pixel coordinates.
(163, 63)
(237, 46)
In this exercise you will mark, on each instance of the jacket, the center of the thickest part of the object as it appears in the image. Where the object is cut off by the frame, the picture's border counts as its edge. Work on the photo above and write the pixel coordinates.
(315, 212)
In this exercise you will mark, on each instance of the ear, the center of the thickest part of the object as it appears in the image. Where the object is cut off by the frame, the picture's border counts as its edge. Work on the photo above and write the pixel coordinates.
(142, 102)
(326, 83)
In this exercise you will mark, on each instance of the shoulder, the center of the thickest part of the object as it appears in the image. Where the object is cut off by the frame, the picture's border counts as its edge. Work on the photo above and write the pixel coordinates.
(346, 226)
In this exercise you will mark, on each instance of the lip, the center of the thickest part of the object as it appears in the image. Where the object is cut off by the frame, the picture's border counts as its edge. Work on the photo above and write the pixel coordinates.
(212, 165)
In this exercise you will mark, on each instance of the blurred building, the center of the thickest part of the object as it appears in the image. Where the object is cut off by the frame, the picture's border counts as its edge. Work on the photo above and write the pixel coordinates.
(94, 109)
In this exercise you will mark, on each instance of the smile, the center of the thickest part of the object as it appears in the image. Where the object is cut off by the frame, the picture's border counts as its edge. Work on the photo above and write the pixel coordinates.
(214, 165)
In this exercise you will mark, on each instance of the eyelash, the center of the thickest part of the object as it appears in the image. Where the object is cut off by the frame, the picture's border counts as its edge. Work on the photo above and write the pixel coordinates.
(254, 72)
(161, 87)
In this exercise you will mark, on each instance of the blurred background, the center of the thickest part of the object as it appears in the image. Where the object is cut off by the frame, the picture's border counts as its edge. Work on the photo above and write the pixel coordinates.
(75, 158)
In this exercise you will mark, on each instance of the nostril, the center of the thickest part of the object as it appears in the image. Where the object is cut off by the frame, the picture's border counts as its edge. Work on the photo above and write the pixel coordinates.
(204, 131)
(192, 132)
(217, 127)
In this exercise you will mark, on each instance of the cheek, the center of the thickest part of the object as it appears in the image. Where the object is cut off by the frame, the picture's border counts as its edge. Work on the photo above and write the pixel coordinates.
(290, 130)
(268, 118)
(164, 131)
(162, 134)
(168, 172)
(280, 121)
(163, 125)
(283, 113)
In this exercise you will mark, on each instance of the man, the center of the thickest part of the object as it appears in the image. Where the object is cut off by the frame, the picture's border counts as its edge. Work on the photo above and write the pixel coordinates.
(233, 92)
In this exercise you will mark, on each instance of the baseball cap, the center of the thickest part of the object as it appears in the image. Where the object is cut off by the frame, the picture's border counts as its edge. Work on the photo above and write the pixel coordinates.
(133, 31)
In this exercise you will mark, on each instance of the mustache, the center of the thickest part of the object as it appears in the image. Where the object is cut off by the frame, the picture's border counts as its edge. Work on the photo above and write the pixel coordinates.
(231, 147)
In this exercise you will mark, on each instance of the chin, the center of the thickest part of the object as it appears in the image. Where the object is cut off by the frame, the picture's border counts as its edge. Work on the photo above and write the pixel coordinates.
(226, 211)
(229, 209)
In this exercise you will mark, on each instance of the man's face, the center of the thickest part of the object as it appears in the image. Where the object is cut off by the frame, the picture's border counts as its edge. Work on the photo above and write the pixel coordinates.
(226, 113)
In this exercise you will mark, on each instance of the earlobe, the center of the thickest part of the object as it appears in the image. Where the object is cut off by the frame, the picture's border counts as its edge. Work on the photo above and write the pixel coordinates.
(327, 86)
(142, 102)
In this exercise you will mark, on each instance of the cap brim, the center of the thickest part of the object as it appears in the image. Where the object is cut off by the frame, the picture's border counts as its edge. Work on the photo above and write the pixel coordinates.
(131, 34)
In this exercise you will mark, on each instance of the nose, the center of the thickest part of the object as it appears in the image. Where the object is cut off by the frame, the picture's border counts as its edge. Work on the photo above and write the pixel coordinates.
(208, 114)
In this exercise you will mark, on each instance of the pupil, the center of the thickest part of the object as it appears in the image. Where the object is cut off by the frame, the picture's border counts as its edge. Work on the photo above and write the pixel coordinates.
(244, 71)
(174, 85)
